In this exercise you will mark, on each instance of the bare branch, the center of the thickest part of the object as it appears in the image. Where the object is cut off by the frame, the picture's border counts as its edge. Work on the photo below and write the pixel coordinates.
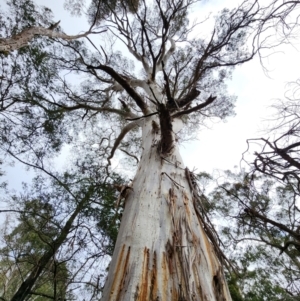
(196, 108)
(119, 139)
(130, 155)
(253, 212)
(137, 118)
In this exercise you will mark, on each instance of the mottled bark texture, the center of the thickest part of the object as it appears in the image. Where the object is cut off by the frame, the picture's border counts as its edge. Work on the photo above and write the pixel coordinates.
(162, 251)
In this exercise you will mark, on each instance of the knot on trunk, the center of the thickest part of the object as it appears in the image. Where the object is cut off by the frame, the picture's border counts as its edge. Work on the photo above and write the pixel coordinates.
(218, 284)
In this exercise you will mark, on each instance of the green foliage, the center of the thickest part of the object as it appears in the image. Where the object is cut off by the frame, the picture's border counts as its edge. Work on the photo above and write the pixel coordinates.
(234, 288)
(28, 120)
(108, 217)
(43, 211)
(101, 9)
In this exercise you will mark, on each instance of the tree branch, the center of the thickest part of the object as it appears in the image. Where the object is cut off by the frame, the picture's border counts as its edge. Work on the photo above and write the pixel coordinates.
(254, 213)
(103, 109)
(196, 108)
(193, 94)
(119, 139)
(42, 295)
(286, 245)
(134, 95)
(24, 37)
(130, 155)
(137, 118)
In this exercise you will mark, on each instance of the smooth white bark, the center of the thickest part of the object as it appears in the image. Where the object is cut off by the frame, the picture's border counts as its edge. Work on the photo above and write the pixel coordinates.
(23, 38)
(162, 252)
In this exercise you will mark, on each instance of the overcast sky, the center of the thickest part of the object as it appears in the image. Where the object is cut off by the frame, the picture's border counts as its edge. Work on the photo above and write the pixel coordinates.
(221, 147)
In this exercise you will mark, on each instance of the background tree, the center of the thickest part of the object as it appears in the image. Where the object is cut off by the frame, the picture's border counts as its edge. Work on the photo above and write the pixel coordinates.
(24, 246)
(55, 249)
(26, 22)
(278, 155)
(278, 27)
(262, 240)
(262, 207)
(33, 133)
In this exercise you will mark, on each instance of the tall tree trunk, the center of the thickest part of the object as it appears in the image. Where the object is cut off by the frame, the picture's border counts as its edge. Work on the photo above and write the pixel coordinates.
(162, 252)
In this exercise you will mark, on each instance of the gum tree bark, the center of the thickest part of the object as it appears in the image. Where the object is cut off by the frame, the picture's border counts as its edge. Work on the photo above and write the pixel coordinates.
(162, 251)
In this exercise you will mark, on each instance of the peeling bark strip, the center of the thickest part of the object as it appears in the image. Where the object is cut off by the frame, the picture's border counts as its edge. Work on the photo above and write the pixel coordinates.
(153, 285)
(147, 288)
(204, 219)
(143, 295)
(122, 268)
(155, 127)
(171, 258)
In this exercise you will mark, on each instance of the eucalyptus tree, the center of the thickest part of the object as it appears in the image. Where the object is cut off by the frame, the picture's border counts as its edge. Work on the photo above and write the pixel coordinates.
(165, 248)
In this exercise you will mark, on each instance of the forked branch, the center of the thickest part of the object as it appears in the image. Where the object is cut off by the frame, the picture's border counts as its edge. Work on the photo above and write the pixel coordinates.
(124, 83)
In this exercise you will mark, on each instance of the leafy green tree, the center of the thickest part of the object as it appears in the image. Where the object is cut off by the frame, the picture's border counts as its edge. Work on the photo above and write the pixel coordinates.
(25, 74)
(24, 246)
(55, 246)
